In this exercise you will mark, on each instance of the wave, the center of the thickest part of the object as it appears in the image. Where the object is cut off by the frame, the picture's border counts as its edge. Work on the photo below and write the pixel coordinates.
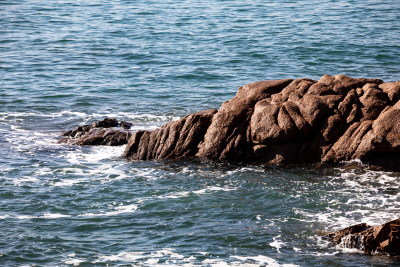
(89, 117)
(117, 210)
(355, 195)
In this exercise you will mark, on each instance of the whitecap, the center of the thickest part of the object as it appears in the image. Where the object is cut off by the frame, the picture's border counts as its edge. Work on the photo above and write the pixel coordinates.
(55, 216)
(68, 182)
(210, 189)
(123, 256)
(176, 195)
(117, 210)
(75, 262)
(24, 217)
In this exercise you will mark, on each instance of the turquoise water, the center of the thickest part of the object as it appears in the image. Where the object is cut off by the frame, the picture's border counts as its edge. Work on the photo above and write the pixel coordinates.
(66, 63)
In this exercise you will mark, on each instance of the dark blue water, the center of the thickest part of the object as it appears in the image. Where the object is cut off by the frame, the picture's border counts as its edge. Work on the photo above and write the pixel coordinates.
(66, 63)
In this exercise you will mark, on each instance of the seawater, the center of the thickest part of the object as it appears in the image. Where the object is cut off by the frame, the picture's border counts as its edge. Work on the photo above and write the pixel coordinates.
(67, 63)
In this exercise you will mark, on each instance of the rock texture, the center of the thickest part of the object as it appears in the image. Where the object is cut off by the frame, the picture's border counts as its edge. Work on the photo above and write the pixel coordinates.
(288, 121)
(384, 238)
(107, 132)
(175, 139)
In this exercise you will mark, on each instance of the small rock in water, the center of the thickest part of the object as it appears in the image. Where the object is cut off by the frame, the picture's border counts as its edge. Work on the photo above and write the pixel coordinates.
(125, 125)
(98, 133)
(106, 123)
(384, 238)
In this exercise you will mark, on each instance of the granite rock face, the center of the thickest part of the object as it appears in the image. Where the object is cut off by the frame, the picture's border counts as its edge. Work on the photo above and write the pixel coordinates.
(384, 238)
(107, 132)
(175, 139)
(288, 121)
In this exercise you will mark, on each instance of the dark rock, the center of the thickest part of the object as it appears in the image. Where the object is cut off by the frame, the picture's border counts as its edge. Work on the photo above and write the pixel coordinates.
(384, 238)
(125, 125)
(106, 123)
(289, 121)
(98, 133)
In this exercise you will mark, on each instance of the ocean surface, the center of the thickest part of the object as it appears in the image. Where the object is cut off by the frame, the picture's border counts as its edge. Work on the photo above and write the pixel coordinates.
(66, 63)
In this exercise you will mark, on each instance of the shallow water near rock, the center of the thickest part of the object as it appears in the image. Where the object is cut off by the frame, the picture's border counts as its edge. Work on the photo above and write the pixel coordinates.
(69, 63)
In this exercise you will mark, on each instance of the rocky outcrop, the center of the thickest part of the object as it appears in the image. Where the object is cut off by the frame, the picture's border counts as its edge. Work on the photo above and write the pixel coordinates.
(175, 139)
(384, 238)
(107, 132)
(288, 121)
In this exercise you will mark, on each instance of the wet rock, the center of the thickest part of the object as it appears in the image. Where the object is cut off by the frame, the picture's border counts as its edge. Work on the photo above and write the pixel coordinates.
(289, 121)
(106, 123)
(384, 238)
(125, 125)
(103, 132)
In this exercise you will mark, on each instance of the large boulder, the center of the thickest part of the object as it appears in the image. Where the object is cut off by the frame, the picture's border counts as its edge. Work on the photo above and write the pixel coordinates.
(288, 121)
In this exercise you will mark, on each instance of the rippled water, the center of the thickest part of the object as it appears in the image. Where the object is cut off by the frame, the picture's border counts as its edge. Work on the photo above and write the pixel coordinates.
(66, 63)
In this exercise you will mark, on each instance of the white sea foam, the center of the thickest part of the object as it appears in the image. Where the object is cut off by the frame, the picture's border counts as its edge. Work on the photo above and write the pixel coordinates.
(123, 256)
(94, 154)
(277, 243)
(117, 210)
(356, 195)
(55, 216)
(74, 262)
(176, 195)
(168, 256)
(68, 182)
(103, 173)
(25, 217)
(43, 216)
(261, 260)
(88, 117)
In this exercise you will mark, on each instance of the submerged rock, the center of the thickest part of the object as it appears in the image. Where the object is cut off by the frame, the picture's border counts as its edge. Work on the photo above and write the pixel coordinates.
(103, 132)
(384, 238)
(288, 121)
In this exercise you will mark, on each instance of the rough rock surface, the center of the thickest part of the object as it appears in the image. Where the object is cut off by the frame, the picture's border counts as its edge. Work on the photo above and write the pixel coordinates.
(175, 139)
(104, 132)
(288, 121)
(384, 238)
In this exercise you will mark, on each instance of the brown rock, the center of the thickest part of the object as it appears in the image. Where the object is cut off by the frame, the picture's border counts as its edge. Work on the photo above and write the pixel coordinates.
(175, 139)
(384, 238)
(283, 121)
(98, 133)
